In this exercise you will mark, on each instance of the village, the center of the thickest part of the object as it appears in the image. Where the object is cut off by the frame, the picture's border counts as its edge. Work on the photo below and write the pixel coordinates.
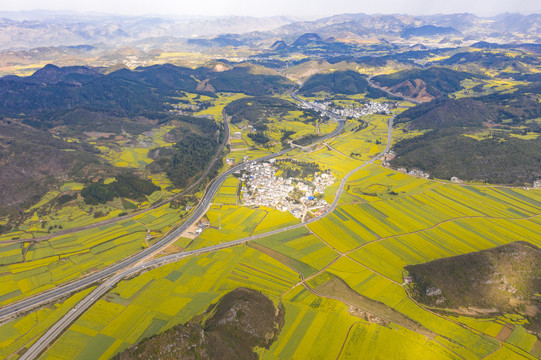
(370, 107)
(261, 187)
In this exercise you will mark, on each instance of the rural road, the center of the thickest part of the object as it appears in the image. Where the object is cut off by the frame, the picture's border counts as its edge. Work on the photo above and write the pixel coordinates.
(126, 267)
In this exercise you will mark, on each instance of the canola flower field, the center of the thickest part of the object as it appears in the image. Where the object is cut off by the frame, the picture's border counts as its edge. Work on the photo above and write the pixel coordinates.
(384, 221)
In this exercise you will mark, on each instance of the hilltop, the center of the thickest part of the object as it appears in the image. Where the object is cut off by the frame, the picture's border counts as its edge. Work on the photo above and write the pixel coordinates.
(424, 84)
(493, 138)
(504, 279)
(240, 321)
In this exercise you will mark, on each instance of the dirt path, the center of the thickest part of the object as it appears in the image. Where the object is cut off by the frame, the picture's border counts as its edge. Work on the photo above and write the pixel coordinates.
(346, 339)
(441, 223)
(339, 152)
(147, 237)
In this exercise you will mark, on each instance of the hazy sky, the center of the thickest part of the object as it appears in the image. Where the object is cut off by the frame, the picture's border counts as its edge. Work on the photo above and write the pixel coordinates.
(300, 8)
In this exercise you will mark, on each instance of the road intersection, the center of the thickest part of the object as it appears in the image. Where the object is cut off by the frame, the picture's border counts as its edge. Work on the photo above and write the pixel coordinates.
(110, 276)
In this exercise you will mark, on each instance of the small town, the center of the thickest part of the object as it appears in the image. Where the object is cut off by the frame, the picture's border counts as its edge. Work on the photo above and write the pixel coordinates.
(261, 187)
(370, 107)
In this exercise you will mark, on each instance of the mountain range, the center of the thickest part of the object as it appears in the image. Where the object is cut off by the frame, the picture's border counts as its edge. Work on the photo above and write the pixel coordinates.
(25, 30)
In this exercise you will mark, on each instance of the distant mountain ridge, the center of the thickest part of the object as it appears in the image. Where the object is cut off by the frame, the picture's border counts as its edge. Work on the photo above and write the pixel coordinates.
(27, 30)
(428, 30)
(32, 30)
(124, 92)
(361, 24)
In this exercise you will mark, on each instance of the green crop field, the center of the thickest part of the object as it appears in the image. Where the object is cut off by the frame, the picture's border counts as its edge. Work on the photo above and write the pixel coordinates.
(217, 104)
(17, 334)
(361, 144)
(384, 221)
(314, 328)
(186, 288)
(52, 262)
(229, 223)
(510, 352)
(378, 342)
(227, 195)
(307, 249)
(522, 339)
(28, 268)
(130, 157)
(328, 159)
(275, 220)
(489, 326)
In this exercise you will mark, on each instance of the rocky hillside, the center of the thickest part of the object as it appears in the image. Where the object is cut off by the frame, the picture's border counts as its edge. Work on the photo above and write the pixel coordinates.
(425, 84)
(504, 279)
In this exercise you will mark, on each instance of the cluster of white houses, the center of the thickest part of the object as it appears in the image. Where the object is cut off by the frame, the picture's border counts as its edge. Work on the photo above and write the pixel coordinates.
(261, 187)
(370, 107)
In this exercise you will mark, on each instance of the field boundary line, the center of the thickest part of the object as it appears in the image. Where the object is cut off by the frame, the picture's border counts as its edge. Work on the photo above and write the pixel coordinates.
(438, 224)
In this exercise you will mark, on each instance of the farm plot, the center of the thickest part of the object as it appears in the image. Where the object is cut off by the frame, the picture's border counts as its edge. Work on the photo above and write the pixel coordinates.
(52, 262)
(389, 256)
(132, 311)
(373, 341)
(229, 223)
(365, 143)
(315, 328)
(328, 159)
(23, 331)
(227, 195)
(297, 249)
(341, 231)
(275, 219)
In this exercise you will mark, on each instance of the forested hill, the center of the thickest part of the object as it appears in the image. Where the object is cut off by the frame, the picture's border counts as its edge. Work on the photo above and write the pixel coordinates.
(142, 92)
(501, 109)
(47, 121)
(494, 138)
(340, 82)
(424, 84)
(122, 92)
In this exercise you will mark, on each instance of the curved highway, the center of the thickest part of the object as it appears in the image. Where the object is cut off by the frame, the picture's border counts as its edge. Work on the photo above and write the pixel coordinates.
(63, 290)
(131, 215)
(126, 267)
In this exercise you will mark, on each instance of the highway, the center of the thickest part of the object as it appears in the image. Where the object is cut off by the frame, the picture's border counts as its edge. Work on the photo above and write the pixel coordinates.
(153, 206)
(175, 257)
(135, 264)
(60, 291)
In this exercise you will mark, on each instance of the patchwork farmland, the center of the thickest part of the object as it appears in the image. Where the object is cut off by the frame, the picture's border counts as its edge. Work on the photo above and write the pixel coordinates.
(340, 279)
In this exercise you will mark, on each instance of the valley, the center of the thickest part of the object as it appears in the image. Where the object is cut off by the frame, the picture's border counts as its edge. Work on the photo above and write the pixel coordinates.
(305, 192)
